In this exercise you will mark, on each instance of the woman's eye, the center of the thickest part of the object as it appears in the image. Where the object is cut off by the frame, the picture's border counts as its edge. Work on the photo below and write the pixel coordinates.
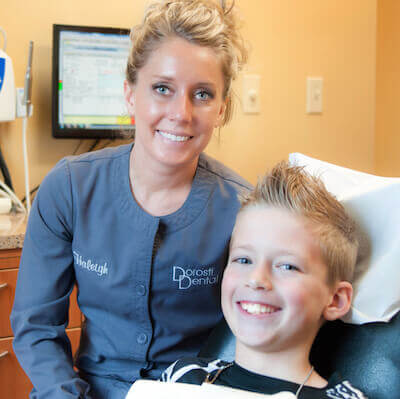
(242, 261)
(203, 95)
(161, 89)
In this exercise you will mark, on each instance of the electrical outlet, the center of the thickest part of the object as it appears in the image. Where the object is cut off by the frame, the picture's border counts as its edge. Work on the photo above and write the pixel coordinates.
(21, 107)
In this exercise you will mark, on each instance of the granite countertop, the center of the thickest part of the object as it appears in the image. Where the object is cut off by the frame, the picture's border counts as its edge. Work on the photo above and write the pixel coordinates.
(12, 230)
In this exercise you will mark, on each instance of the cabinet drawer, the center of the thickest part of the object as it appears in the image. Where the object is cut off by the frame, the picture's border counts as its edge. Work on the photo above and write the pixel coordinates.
(8, 280)
(9, 258)
(13, 381)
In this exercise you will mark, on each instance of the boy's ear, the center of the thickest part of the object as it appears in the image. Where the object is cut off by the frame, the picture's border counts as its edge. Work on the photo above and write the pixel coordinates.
(340, 301)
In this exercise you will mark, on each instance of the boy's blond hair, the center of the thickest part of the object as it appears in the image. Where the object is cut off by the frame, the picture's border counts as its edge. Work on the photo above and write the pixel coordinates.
(292, 188)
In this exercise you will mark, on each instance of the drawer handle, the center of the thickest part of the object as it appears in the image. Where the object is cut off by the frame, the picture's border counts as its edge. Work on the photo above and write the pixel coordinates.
(3, 354)
(4, 285)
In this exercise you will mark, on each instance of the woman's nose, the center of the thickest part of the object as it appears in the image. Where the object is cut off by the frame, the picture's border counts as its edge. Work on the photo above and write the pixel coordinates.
(181, 108)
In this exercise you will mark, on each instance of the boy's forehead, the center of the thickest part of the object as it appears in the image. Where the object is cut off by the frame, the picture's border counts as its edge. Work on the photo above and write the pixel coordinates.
(268, 214)
(259, 224)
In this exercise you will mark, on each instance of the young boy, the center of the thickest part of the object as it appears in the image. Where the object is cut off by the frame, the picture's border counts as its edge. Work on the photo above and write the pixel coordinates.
(292, 256)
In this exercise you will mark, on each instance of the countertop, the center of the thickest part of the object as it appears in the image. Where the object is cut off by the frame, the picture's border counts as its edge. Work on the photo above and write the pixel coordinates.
(12, 230)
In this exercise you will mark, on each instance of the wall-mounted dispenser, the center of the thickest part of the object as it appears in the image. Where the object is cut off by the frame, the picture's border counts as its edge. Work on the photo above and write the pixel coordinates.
(7, 85)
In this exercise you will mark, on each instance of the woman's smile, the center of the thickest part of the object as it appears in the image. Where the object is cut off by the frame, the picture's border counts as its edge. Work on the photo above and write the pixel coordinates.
(176, 137)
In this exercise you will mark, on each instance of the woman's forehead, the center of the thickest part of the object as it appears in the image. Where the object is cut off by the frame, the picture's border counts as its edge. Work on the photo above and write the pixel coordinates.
(178, 58)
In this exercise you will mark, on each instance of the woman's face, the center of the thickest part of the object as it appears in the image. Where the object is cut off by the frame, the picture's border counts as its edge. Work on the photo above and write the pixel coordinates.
(177, 101)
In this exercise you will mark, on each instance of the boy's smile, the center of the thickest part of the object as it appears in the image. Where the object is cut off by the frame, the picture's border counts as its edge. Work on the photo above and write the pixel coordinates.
(255, 308)
(274, 290)
(258, 310)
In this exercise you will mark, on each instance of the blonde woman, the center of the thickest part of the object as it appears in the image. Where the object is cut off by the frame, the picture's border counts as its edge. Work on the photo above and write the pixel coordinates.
(142, 229)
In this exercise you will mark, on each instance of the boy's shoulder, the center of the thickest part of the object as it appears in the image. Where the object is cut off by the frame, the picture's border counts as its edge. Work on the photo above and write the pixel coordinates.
(193, 370)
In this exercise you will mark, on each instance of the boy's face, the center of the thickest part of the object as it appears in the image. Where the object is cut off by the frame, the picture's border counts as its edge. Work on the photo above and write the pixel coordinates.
(274, 290)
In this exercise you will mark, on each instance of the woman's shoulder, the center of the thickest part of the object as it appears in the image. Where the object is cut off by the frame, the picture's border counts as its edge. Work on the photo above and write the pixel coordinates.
(107, 153)
(221, 171)
(85, 164)
(81, 169)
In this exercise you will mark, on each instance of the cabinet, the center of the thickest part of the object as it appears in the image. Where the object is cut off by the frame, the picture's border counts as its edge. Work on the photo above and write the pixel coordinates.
(13, 381)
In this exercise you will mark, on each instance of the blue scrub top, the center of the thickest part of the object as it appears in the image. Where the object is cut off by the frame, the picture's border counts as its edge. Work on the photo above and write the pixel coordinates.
(149, 287)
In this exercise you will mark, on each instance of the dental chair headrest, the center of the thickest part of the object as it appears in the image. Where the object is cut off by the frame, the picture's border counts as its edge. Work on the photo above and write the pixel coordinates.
(374, 203)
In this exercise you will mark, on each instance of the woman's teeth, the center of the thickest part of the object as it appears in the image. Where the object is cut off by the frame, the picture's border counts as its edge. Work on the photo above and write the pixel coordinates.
(172, 137)
(256, 308)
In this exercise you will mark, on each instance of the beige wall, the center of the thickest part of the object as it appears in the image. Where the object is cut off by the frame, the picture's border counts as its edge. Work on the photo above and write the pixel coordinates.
(291, 39)
(388, 89)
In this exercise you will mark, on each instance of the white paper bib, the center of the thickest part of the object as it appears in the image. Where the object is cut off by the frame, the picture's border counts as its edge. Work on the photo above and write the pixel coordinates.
(166, 390)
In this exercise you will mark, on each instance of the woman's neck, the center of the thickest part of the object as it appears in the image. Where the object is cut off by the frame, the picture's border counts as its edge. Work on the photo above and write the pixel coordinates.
(289, 365)
(159, 189)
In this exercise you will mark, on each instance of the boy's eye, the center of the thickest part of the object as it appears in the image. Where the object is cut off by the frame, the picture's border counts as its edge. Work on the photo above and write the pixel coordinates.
(288, 267)
(161, 89)
(242, 261)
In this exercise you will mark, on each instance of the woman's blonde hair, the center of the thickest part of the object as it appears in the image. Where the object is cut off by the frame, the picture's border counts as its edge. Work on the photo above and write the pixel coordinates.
(292, 188)
(202, 22)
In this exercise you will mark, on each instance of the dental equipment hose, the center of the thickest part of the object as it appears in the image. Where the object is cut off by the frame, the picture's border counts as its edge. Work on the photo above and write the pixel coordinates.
(26, 168)
(27, 103)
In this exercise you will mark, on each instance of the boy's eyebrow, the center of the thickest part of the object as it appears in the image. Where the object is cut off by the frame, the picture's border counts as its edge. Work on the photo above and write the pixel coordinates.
(247, 247)
(279, 252)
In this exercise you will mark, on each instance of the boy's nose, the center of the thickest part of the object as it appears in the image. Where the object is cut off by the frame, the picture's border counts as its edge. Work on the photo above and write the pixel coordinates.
(181, 108)
(259, 278)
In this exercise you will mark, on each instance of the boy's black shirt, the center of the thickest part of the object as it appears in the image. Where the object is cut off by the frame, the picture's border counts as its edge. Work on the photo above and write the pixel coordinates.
(195, 371)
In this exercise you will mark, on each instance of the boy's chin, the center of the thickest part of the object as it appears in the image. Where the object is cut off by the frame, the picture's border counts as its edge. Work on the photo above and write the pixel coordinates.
(258, 342)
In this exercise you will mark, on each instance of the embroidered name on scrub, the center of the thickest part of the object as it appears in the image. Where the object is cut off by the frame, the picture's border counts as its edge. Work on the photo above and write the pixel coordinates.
(88, 264)
(188, 277)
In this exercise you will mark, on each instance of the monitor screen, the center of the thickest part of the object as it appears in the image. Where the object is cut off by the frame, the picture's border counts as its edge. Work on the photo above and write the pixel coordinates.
(88, 73)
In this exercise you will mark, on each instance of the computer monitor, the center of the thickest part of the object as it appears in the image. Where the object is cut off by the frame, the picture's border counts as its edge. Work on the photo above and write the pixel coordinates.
(88, 72)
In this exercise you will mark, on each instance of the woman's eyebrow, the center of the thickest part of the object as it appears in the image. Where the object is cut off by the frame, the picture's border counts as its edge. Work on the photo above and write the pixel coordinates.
(164, 77)
(168, 78)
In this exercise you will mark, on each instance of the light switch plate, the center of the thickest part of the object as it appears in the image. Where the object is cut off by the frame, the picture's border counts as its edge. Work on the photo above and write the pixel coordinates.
(251, 94)
(314, 95)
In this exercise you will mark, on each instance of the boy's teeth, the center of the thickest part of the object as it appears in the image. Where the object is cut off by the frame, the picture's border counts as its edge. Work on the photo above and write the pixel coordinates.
(172, 137)
(256, 308)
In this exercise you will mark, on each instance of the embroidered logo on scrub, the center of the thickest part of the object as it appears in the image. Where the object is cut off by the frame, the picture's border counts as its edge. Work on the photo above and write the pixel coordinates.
(90, 265)
(187, 277)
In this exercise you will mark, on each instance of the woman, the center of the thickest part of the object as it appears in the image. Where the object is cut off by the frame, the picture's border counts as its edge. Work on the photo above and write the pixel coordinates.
(142, 230)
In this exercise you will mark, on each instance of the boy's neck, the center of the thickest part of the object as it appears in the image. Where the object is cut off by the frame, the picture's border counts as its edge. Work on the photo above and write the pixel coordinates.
(289, 365)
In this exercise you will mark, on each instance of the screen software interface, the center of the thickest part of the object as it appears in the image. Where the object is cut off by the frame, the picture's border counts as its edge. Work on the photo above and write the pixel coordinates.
(91, 74)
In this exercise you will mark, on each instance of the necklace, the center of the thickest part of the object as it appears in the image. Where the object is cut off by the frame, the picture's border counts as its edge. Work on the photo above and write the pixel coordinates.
(305, 381)
(211, 379)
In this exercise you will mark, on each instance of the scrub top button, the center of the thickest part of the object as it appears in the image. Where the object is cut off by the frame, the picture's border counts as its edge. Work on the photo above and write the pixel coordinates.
(141, 290)
(142, 339)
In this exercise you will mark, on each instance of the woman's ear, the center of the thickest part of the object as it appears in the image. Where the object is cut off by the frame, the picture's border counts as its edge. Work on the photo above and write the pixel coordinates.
(220, 120)
(129, 98)
(340, 302)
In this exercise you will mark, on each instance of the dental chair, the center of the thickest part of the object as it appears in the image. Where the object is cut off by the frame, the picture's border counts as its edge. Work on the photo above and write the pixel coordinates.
(364, 347)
